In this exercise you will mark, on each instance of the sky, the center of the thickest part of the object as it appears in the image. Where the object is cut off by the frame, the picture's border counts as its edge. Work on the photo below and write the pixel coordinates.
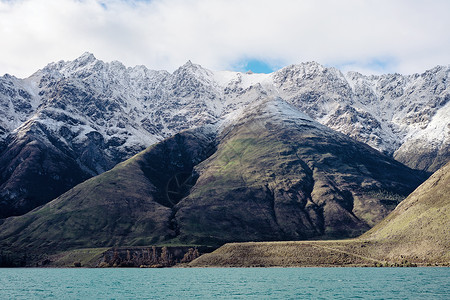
(368, 36)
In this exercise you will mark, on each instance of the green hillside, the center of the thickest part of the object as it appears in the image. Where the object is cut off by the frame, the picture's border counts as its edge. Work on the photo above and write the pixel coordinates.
(127, 205)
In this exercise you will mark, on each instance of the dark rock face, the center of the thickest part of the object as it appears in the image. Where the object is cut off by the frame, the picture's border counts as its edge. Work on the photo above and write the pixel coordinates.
(31, 173)
(150, 257)
(270, 174)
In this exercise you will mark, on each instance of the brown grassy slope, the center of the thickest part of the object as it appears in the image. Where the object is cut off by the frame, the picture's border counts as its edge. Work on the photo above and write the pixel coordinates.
(417, 231)
(420, 225)
(284, 254)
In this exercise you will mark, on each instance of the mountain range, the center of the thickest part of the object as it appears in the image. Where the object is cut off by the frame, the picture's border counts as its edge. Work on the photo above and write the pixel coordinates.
(95, 154)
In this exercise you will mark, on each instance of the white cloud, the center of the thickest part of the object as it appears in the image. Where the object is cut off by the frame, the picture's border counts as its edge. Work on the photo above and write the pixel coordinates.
(372, 36)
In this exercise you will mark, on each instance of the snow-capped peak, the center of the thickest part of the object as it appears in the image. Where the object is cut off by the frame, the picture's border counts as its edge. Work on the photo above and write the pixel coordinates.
(85, 58)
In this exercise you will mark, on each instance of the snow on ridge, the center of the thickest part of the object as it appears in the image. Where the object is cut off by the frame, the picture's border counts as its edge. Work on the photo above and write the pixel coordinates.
(223, 78)
(286, 111)
(383, 111)
(274, 108)
(245, 80)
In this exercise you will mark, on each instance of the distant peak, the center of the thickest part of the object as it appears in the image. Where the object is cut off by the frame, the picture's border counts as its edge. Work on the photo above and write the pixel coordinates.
(8, 76)
(187, 65)
(69, 67)
(192, 68)
(85, 60)
(86, 56)
(190, 65)
(312, 65)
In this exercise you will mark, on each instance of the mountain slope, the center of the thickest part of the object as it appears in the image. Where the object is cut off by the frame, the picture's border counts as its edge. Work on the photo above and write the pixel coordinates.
(127, 205)
(419, 226)
(269, 173)
(393, 113)
(277, 174)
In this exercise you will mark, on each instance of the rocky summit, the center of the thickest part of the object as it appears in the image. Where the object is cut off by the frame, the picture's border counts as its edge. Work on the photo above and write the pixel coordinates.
(73, 120)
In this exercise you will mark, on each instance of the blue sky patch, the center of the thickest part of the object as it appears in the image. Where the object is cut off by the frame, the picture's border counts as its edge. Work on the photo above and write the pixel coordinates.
(254, 65)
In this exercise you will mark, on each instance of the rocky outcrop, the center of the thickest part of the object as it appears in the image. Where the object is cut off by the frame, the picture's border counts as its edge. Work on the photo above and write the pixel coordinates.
(150, 257)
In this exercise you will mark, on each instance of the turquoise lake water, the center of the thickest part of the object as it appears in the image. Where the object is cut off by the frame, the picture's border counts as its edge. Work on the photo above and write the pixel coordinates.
(233, 283)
